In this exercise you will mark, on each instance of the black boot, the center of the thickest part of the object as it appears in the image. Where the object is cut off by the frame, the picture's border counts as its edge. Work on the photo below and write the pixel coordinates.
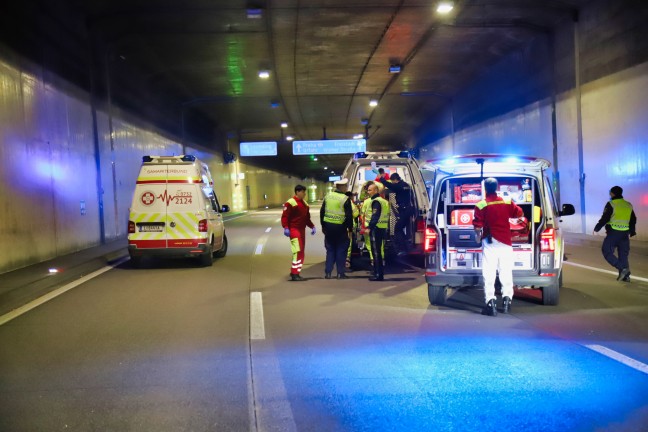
(506, 305)
(377, 277)
(490, 309)
(624, 273)
(327, 276)
(342, 276)
(296, 278)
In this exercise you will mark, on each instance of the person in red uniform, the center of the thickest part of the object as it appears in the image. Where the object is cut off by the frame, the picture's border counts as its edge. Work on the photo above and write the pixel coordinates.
(491, 224)
(294, 220)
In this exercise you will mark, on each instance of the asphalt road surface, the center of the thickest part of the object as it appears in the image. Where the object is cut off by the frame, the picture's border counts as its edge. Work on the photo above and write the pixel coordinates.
(172, 346)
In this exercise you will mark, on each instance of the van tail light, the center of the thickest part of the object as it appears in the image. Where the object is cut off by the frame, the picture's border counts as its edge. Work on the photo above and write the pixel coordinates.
(131, 227)
(548, 240)
(430, 240)
(202, 225)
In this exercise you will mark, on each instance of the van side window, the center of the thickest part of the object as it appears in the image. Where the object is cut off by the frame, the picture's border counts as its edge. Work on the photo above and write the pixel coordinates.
(554, 205)
(209, 194)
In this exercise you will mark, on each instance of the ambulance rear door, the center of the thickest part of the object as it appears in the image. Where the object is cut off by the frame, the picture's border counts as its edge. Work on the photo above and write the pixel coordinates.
(149, 207)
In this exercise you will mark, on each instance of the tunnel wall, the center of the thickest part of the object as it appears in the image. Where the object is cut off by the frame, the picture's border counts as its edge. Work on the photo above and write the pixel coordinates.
(495, 113)
(49, 194)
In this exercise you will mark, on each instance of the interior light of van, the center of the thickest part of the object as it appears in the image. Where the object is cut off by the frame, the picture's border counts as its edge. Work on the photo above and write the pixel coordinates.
(202, 225)
(430, 240)
(188, 158)
(512, 160)
(449, 161)
(131, 227)
(548, 240)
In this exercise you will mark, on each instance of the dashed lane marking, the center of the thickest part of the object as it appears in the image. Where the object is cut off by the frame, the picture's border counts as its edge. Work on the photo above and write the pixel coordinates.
(632, 277)
(57, 292)
(257, 327)
(621, 358)
(268, 229)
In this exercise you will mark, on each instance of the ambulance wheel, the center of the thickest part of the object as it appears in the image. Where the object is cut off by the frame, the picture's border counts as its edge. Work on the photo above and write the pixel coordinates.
(136, 261)
(437, 294)
(207, 259)
(551, 293)
(223, 250)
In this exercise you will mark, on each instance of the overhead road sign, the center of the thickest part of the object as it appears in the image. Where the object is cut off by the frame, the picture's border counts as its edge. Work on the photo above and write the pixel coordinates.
(329, 147)
(335, 178)
(262, 148)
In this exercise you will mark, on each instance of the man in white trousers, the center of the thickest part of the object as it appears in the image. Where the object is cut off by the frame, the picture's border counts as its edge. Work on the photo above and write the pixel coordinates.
(491, 224)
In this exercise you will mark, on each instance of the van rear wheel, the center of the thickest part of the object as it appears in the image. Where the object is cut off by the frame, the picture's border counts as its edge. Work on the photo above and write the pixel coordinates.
(207, 259)
(551, 293)
(223, 250)
(437, 294)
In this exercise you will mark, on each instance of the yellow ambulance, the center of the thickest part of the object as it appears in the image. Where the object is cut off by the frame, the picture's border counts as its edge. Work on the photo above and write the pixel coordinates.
(175, 211)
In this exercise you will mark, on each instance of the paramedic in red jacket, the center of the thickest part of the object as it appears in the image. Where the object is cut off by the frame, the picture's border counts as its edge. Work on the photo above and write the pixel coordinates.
(491, 224)
(294, 220)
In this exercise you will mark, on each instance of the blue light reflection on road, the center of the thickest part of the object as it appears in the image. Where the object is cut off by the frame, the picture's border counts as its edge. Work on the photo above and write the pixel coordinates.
(462, 384)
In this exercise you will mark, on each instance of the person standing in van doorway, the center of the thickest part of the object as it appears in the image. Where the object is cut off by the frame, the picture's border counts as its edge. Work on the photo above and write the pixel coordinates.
(404, 212)
(378, 217)
(491, 224)
(336, 216)
(294, 220)
(620, 222)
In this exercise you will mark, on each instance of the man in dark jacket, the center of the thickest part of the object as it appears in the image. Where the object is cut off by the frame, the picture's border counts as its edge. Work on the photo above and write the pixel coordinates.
(336, 216)
(620, 222)
(403, 212)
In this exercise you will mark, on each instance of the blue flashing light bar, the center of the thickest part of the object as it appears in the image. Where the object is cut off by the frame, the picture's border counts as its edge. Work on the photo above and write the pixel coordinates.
(329, 146)
(261, 148)
(189, 158)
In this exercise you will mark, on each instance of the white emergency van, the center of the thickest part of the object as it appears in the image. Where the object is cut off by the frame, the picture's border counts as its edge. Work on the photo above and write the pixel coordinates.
(175, 211)
(454, 257)
(362, 167)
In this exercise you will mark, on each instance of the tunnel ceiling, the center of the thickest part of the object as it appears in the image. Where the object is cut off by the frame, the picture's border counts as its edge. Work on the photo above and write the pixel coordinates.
(327, 59)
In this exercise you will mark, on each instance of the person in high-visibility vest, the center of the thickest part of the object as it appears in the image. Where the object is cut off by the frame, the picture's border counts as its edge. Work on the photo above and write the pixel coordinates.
(355, 213)
(336, 217)
(294, 220)
(365, 217)
(620, 221)
(376, 228)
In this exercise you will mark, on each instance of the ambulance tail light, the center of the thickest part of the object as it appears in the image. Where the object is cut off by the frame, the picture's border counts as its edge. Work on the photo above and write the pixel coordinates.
(131, 227)
(430, 240)
(548, 240)
(202, 225)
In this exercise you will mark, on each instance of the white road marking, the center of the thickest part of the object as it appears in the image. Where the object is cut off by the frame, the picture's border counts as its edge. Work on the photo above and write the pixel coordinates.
(615, 274)
(278, 220)
(257, 327)
(621, 358)
(57, 292)
(268, 229)
(260, 244)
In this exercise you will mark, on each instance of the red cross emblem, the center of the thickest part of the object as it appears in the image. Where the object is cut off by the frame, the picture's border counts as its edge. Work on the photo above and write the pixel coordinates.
(147, 198)
(465, 218)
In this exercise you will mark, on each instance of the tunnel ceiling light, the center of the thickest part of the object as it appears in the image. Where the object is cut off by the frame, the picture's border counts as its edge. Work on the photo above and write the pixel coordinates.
(264, 74)
(445, 7)
(315, 158)
(325, 168)
(289, 138)
(284, 124)
(373, 103)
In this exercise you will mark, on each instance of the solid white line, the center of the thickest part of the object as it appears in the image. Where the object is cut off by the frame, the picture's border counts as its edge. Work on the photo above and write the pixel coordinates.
(257, 328)
(628, 361)
(259, 249)
(268, 229)
(632, 277)
(57, 292)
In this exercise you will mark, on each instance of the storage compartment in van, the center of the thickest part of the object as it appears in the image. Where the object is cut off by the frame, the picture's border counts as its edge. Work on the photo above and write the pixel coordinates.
(455, 213)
